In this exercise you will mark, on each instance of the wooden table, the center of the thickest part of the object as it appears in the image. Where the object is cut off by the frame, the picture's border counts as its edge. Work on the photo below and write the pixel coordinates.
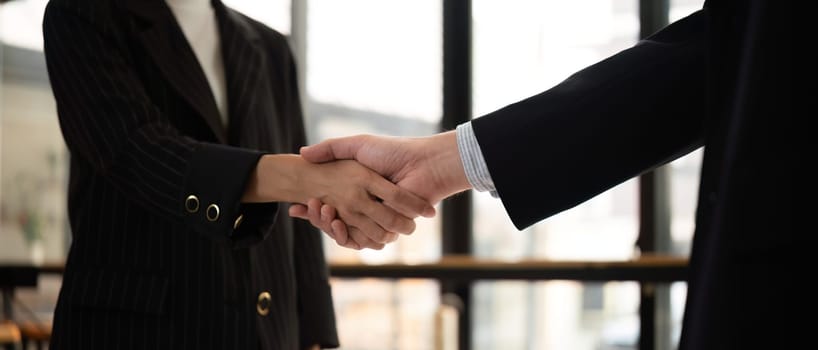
(13, 276)
(649, 268)
(9, 335)
(646, 268)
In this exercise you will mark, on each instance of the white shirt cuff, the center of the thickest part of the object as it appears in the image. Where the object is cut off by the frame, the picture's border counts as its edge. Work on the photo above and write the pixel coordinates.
(477, 172)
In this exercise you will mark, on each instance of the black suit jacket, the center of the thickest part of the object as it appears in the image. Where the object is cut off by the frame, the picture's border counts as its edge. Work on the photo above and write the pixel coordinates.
(150, 266)
(725, 78)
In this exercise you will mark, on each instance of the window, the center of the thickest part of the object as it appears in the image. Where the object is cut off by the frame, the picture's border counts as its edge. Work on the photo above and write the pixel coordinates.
(274, 13)
(521, 49)
(375, 67)
(33, 157)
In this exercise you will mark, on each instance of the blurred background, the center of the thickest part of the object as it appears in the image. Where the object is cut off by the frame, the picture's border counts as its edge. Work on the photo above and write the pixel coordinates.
(408, 68)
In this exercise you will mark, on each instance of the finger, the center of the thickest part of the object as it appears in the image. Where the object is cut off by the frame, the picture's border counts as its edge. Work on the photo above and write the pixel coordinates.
(350, 243)
(333, 149)
(314, 212)
(339, 229)
(314, 209)
(299, 211)
(375, 232)
(328, 213)
(378, 213)
(391, 237)
(404, 201)
(328, 217)
(365, 223)
(359, 238)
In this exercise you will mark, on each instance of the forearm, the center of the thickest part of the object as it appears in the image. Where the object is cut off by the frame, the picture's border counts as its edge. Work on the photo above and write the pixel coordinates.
(441, 156)
(289, 178)
(276, 179)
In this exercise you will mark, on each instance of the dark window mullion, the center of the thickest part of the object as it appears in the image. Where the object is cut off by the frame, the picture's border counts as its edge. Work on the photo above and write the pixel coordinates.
(457, 108)
(654, 213)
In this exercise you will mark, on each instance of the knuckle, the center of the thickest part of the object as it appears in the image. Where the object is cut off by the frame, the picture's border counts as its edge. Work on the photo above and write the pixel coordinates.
(394, 223)
(394, 193)
(360, 175)
(380, 237)
(402, 225)
(411, 227)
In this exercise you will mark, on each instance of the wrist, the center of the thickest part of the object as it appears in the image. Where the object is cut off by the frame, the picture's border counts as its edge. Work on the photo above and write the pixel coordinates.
(277, 178)
(445, 163)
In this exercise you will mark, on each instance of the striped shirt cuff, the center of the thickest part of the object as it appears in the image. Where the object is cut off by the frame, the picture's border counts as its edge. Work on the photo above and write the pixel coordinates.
(477, 172)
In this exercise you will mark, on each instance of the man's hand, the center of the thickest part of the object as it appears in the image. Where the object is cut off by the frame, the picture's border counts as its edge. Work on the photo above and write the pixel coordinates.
(427, 166)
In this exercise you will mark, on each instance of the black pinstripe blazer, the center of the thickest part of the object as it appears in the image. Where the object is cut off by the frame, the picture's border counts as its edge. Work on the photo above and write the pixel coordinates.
(163, 253)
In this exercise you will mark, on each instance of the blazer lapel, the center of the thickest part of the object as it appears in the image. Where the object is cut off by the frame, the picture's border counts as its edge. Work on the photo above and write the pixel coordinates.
(244, 68)
(167, 46)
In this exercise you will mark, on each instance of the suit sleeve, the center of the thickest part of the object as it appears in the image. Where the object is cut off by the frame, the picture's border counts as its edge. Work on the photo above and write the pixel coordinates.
(110, 124)
(316, 311)
(603, 125)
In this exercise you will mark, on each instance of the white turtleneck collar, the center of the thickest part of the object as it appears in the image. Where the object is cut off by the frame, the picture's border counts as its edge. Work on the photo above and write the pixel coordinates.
(198, 21)
(189, 3)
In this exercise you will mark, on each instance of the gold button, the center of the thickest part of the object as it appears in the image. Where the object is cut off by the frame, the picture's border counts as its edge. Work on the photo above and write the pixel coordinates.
(212, 212)
(192, 204)
(238, 221)
(263, 305)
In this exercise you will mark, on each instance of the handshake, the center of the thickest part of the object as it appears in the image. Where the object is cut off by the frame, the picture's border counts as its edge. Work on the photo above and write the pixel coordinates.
(363, 191)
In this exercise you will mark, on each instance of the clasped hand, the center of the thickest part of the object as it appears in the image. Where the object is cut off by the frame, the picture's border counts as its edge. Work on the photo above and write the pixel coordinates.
(428, 168)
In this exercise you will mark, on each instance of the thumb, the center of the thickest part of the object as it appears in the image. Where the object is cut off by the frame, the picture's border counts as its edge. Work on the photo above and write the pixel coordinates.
(333, 149)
